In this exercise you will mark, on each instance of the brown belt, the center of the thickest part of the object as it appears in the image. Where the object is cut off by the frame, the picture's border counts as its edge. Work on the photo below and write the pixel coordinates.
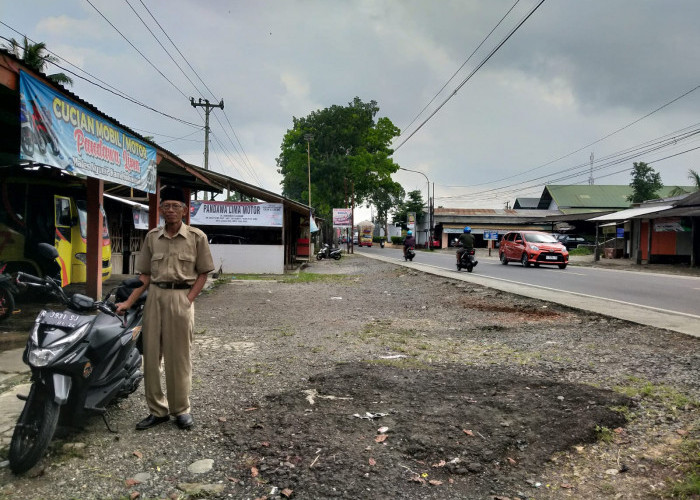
(171, 285)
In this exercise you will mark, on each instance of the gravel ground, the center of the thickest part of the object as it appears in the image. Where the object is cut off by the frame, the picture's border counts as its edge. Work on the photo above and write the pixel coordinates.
(362, 379)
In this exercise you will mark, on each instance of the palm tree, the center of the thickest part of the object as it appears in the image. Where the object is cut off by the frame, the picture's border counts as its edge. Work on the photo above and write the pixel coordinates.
(35, 57)
(694, 177)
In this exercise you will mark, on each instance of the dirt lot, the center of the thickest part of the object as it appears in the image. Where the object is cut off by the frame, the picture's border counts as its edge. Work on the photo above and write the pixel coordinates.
(362, 379)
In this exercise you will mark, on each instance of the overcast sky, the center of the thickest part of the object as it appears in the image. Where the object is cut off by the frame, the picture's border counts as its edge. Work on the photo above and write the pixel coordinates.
(574, 73)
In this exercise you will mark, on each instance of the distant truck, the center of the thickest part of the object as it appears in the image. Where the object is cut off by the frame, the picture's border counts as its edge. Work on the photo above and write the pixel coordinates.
(366, 230)
(37, 211)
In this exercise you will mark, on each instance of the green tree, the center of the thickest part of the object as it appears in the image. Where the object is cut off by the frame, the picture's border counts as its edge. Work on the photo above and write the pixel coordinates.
(348, 150)
(36, 57)
(385, 198)
(413, 203)
(646, 183)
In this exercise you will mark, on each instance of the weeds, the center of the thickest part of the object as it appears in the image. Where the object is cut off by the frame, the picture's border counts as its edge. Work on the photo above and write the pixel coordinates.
(604, 434)
(668, 396)
(303, 277)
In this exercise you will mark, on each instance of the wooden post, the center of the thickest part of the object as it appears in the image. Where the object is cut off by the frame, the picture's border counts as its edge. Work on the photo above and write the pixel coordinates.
(153, 209)
(93, 284)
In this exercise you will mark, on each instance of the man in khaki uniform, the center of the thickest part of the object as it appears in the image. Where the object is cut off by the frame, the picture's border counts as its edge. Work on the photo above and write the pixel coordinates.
(173, 265)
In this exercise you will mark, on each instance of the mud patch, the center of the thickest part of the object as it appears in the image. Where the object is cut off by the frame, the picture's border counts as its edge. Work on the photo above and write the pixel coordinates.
(467, 429)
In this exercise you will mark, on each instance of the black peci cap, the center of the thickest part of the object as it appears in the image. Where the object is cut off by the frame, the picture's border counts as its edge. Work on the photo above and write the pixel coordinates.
(171, 193)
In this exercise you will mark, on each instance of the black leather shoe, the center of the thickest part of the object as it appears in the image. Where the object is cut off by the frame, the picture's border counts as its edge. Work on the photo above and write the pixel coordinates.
(184, 421)
(151, 421)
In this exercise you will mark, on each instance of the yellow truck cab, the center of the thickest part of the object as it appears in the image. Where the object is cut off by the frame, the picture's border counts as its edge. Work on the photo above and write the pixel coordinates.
(34, 213)
(71, 240)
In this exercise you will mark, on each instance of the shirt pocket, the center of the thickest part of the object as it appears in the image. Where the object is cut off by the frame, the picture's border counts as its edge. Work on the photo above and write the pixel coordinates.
(186, 262)
(157, 263)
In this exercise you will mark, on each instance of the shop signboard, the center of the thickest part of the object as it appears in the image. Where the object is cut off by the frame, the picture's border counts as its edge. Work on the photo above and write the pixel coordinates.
(342, 217)
(56, 131)
(231, 213)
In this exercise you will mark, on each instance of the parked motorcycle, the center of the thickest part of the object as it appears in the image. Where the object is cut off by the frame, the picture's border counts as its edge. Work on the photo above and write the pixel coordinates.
(80, 363)
(467, 260)
(326, 252)
(409, 254)
(8, 290)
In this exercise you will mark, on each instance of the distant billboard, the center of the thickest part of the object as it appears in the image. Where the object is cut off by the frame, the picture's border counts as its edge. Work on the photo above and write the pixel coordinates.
(342, 217)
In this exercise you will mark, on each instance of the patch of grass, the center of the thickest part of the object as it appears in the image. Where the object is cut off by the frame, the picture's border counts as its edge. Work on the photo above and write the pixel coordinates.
(285, 332)
(581, 251)
(303, 277)
(688, 488)
(625, 411)
(227, 278)
(604, 434)
(670, 397)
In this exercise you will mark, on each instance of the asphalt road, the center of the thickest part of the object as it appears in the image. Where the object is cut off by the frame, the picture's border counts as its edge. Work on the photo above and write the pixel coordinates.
(664, 301)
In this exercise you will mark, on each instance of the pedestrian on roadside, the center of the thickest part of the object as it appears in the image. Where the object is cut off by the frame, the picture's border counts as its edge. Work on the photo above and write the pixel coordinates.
(173, 266)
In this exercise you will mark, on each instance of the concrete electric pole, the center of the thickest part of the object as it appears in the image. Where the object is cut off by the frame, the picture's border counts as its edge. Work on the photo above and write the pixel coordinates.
(204, 103)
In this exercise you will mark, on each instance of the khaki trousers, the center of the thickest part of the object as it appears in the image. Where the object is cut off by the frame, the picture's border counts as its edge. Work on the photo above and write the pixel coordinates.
(168, 329)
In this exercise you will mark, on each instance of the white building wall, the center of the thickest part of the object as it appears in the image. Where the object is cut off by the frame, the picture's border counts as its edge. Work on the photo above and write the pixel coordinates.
(255, 259)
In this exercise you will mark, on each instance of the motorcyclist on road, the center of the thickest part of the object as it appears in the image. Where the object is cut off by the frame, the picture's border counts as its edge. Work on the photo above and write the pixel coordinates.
(466, 241)
(409, 242)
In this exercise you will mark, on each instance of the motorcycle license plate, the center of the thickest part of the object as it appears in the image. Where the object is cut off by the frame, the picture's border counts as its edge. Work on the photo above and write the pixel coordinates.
(64, 319)
(551, 257)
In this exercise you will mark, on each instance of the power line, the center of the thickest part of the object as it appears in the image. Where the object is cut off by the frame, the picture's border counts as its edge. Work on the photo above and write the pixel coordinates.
(462, 66)
(604, 163)
(105, 86)
(164, 49)
(136, 49)
(201, 80)
(594, 142)
(484, 61)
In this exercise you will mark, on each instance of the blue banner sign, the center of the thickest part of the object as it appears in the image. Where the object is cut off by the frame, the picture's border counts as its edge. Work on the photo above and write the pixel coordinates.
(56, 131)
(490, 235)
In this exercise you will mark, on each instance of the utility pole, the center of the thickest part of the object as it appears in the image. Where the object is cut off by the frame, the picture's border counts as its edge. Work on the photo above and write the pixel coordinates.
(590, 176)
(428, 204)
(309, 138)
(204, 103)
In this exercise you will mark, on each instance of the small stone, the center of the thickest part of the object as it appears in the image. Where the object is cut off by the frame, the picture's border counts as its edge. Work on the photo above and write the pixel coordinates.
(142, 477)
(201, 466)
(200, 489)
(474, 467)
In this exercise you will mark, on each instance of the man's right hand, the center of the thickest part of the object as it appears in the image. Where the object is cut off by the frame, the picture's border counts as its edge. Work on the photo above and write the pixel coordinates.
(122, 307)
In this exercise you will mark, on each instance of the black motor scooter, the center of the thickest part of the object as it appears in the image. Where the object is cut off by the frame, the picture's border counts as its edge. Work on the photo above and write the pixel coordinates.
(467, 260)
(326, 252)
(81, 359)
(409, 254)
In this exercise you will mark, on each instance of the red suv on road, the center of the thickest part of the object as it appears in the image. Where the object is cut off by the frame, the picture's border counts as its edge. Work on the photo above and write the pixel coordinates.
(532, 247)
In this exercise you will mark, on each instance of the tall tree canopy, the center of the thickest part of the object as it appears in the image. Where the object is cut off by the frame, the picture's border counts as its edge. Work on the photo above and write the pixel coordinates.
(385, 197)
(347, 147)
(413, 203)
(36, 57)
(646, 183)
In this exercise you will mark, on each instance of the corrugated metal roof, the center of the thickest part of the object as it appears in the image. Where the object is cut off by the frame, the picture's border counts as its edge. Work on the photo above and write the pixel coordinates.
(574, 196)
(526, 203)
(631, 213)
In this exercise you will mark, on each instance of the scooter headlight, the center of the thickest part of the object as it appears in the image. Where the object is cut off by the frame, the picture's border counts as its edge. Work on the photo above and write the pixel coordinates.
(42, 356)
